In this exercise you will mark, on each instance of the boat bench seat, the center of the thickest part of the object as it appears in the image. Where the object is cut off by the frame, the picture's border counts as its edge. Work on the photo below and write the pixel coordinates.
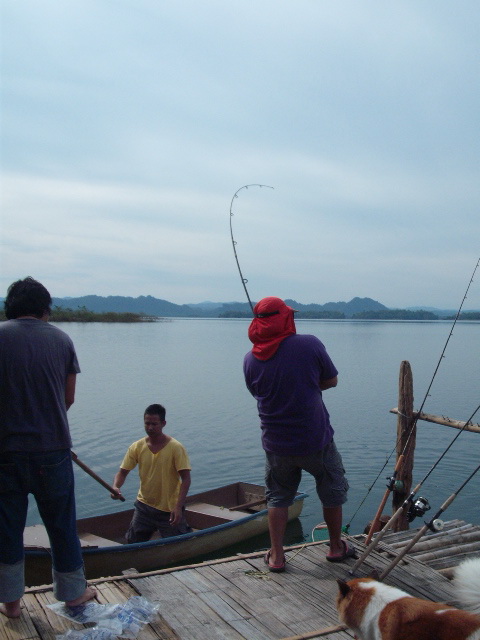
(213, 510)
(91, 540)
(37, 536)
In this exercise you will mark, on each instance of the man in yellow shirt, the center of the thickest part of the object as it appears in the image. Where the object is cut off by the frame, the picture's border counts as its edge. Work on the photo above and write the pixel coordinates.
(164, 470)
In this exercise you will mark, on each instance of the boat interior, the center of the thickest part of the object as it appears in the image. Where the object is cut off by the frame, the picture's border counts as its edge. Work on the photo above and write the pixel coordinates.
(203, 510)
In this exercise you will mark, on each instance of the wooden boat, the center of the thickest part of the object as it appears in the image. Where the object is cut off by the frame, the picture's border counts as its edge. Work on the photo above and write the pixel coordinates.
(219, 518)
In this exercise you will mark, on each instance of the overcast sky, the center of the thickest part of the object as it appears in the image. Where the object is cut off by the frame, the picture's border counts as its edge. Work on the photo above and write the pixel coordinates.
(128, 125)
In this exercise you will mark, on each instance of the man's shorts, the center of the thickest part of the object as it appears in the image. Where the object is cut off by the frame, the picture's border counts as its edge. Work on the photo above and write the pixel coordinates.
(147, 520)
(283, 475)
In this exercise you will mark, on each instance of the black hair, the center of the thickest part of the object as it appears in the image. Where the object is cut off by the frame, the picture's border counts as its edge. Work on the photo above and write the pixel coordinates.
(155, 410)
(27, 297)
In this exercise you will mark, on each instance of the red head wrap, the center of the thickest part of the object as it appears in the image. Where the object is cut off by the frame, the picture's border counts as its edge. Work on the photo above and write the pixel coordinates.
(272, 323)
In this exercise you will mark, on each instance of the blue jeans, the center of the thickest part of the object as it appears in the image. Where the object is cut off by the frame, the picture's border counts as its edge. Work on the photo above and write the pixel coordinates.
(49, 477)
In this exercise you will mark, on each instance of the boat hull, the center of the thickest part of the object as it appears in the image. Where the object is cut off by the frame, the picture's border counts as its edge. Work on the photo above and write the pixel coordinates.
(229, 526)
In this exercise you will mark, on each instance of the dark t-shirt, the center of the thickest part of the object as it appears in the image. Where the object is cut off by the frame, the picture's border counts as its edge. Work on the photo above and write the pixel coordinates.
(35, 359)
(294, 419)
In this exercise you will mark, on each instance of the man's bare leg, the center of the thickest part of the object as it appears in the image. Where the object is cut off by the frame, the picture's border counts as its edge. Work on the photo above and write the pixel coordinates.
(87, 595)
(333, 520)
(277, 523)
(11, 609)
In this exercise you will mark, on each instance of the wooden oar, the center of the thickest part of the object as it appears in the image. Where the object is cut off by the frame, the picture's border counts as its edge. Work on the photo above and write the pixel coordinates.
(91, 473)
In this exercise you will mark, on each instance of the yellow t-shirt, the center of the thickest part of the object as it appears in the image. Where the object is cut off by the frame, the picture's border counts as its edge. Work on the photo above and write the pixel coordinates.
(159, 479)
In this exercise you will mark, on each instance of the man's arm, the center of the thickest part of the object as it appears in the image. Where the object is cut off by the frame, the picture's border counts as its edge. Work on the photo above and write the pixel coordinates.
(186, 479)
(70, 389)
(118, 481)
(329, 383)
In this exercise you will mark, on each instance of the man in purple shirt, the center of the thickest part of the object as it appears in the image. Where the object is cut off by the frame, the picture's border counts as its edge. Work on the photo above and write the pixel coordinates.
(286, 373)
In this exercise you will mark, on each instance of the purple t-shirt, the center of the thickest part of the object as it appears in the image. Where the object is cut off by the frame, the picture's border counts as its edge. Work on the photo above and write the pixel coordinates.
(294, 419)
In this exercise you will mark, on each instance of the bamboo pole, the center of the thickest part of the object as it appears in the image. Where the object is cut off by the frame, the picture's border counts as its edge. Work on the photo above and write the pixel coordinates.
(446, 543)
(319, 633)
(406, 437)
(446, 422)
(447, 552)
(92, 474)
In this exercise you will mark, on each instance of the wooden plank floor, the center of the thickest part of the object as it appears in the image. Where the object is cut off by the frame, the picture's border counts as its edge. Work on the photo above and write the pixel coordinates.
(443, 550)
(235, 598)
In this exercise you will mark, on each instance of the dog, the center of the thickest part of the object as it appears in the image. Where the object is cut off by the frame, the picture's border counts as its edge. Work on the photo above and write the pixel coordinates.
(375, 611)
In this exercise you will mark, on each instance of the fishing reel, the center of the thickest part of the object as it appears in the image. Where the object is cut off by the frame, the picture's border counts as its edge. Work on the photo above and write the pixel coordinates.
(435, 525)
(417, 509)
(393, 484)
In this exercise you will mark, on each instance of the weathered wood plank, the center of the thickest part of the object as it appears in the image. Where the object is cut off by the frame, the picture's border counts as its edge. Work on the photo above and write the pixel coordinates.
(238, 598)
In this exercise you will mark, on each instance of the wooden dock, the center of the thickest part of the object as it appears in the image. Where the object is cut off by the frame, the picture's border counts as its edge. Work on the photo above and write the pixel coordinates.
(236, 598)
(441, 551)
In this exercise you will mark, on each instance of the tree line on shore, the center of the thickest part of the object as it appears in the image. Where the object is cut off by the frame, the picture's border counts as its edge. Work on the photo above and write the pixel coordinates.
(383, 314)
(82, 314)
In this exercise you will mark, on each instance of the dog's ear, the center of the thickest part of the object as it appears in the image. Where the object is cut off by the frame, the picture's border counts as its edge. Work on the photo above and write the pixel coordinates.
(374, 575)
(344, 588)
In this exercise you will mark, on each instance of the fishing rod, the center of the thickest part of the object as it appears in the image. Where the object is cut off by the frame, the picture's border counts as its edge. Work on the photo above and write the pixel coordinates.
(235, 195)
(392, 480)
(434, 524)
(417, 508)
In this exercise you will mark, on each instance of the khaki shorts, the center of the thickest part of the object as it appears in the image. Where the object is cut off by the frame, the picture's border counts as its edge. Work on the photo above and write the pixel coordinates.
(283, 475)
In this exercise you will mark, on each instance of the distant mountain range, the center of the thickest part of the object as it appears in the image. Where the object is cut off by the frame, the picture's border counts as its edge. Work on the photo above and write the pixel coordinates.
(150, 306)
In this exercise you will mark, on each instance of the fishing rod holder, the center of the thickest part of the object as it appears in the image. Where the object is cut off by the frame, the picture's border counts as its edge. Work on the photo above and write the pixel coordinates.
(417, 508)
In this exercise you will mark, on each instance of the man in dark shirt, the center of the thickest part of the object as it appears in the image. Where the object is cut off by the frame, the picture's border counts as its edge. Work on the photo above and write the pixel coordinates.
(38, 368)
(286, 373)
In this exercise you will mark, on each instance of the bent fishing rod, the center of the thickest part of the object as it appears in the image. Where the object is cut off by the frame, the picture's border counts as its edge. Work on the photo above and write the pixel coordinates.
(235, 195)
(416, 509)
(392, 480)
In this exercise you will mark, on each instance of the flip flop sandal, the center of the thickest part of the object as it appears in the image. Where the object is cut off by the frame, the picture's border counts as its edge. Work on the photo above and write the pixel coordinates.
(349, 552)
(275, 568)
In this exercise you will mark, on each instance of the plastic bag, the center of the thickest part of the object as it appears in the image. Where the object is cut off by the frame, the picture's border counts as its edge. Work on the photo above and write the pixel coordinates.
(94, 633)
(113, 620)
(83, 613)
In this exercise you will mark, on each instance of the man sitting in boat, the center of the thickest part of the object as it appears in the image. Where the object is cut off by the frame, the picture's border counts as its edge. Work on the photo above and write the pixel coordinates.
(164, 470)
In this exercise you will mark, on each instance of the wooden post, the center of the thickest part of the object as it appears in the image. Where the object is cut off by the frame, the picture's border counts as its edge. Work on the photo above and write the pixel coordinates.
(405, 434)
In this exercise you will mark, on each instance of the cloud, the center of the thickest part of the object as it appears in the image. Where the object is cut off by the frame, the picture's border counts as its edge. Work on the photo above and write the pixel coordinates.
(127, 130)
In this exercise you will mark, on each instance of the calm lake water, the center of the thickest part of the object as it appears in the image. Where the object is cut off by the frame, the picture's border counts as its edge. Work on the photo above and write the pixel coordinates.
(194, 368)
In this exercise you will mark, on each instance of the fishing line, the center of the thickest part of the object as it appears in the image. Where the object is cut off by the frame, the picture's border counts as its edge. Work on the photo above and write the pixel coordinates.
(427, 394)
(235, 195)
(442, 355)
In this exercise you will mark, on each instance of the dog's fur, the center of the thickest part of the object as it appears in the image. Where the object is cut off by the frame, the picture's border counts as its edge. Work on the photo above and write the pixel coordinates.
(375, 611)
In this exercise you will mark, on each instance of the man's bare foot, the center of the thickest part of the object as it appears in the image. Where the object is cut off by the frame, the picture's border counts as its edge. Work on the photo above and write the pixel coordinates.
(11, 609)
(87, 595)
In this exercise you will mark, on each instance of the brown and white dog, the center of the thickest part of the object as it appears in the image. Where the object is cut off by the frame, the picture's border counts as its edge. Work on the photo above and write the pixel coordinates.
(375, 611)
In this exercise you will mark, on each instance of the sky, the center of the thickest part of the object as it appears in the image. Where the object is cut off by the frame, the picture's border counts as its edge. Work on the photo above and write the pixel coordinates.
(128, 126)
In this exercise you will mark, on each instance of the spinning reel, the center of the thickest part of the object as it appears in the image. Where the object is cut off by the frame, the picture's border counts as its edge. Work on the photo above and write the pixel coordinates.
(417, 509)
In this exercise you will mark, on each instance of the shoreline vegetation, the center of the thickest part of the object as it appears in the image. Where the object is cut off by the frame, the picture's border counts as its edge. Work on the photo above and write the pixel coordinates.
(60, 314)
(82, 314)
(384, 314)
